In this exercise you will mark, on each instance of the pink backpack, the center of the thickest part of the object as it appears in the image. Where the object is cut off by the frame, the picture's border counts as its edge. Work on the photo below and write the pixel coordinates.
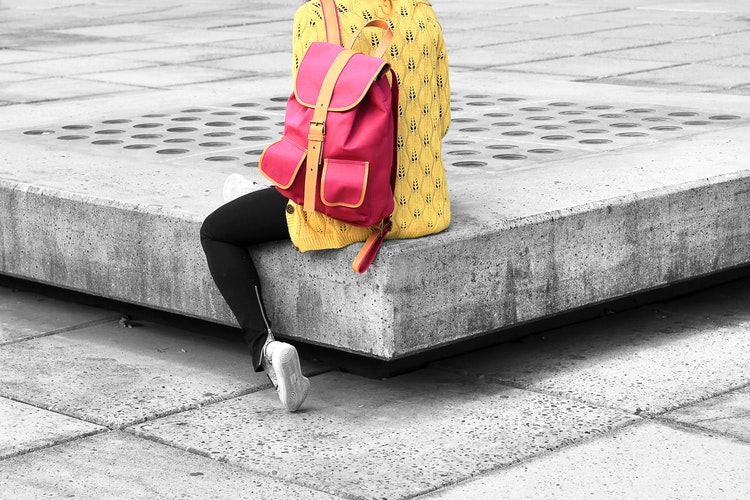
(337, 154)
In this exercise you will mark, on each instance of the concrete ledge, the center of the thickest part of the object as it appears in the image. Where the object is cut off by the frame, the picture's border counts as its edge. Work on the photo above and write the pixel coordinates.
(531, 238)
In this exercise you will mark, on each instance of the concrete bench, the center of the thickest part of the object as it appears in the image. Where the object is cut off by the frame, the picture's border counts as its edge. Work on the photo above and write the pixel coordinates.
(564, 195)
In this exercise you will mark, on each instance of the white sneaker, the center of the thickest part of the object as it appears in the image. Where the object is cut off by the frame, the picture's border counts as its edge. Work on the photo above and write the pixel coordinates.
(235, 186)
(281, 363)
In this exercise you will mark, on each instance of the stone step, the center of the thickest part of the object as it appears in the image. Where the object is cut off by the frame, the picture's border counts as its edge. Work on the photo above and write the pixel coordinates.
(564, 195)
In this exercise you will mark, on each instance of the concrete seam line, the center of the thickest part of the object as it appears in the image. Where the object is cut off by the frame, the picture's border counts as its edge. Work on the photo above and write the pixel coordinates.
(54, 443)
(697, 429)
(533, 457)
(80, 326)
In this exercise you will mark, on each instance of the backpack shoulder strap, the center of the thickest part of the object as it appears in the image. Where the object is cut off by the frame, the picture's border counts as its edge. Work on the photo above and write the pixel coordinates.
(331, 21)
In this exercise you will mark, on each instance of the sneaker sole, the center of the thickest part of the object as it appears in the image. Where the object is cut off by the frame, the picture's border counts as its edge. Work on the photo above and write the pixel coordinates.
(292, 385)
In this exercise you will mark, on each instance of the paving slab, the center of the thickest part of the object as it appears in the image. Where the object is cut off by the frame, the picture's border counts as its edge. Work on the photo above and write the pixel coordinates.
(385, 439)
(645, 361)
(27, 428)
(114, 376)
(119, 465)
(727, 413)
(24, 315)
(646, 460)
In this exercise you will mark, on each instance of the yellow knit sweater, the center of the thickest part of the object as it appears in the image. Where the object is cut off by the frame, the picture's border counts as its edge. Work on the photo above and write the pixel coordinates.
(418, 56)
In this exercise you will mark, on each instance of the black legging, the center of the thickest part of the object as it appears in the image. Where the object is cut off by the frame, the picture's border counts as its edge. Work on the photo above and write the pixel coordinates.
(254, 218)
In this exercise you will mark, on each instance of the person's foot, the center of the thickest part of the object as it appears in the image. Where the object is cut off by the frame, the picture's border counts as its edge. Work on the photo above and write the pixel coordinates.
(235, 186)
(281, 363)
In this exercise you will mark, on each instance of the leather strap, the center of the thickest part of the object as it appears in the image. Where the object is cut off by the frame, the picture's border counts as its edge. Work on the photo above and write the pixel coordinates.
(331, 21)
(370, 249)
(372, 245)
(317, 134)
(385, 42)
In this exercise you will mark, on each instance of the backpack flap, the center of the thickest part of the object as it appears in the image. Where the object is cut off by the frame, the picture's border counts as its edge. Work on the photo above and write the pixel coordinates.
(350, 87)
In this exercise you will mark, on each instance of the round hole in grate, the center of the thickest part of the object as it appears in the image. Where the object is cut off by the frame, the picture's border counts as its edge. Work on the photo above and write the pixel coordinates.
(72, 137)
(683, 113)
(245, 104)
(225, 113)
(473, 163)
(572, 112)
(544, 151)
(463, 152)
(154, 115)
(534, 108)
(172, 151)
(146, 136)
(139, 146)
(613, 115)
(456, 108)
(657, 119)
(599, 107)
(222, 158)
(117, 121)
(595, 141)
(498, 115)
(557, 137)
(506, 124)
(186, 119)
(255, 128)
(194, 110)
(540, 118)
(479, 103)
(583, 121)
(275, 108)
(511, 99)
(464, 120)
(252, 164)
(509, 156)
(476, 96)
(724, 117)
(631, 134)
(457, 142)
(255, 138)
(502, 146)
(109, 131)
(279, 99)
(255, 152)
(181, 129)
(640, 110)
(219, 134)
(147, 125)
(517, 133)
(473, 129)
(562, 104)
(219, 124)
(696, 122)
(76, 127)
(179, 140)
(39, 132)
(214, 144)
(666, 127)
(624, 125)
(106, 142)
(593, 131)
(254, 118)
(279, 124)
(549, 127)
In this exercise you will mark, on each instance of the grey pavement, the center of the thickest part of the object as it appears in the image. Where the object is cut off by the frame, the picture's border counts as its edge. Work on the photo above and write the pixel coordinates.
(651, 403)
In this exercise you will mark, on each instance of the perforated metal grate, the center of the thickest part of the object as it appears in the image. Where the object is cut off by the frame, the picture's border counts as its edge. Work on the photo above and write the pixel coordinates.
(497, 132)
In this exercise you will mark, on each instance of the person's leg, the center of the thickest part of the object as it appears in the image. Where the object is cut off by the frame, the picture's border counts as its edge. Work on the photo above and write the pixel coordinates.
(254, 218)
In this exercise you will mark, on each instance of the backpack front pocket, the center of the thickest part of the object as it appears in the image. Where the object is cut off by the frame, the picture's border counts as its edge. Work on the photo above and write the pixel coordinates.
(344, 183)
(281, 161)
